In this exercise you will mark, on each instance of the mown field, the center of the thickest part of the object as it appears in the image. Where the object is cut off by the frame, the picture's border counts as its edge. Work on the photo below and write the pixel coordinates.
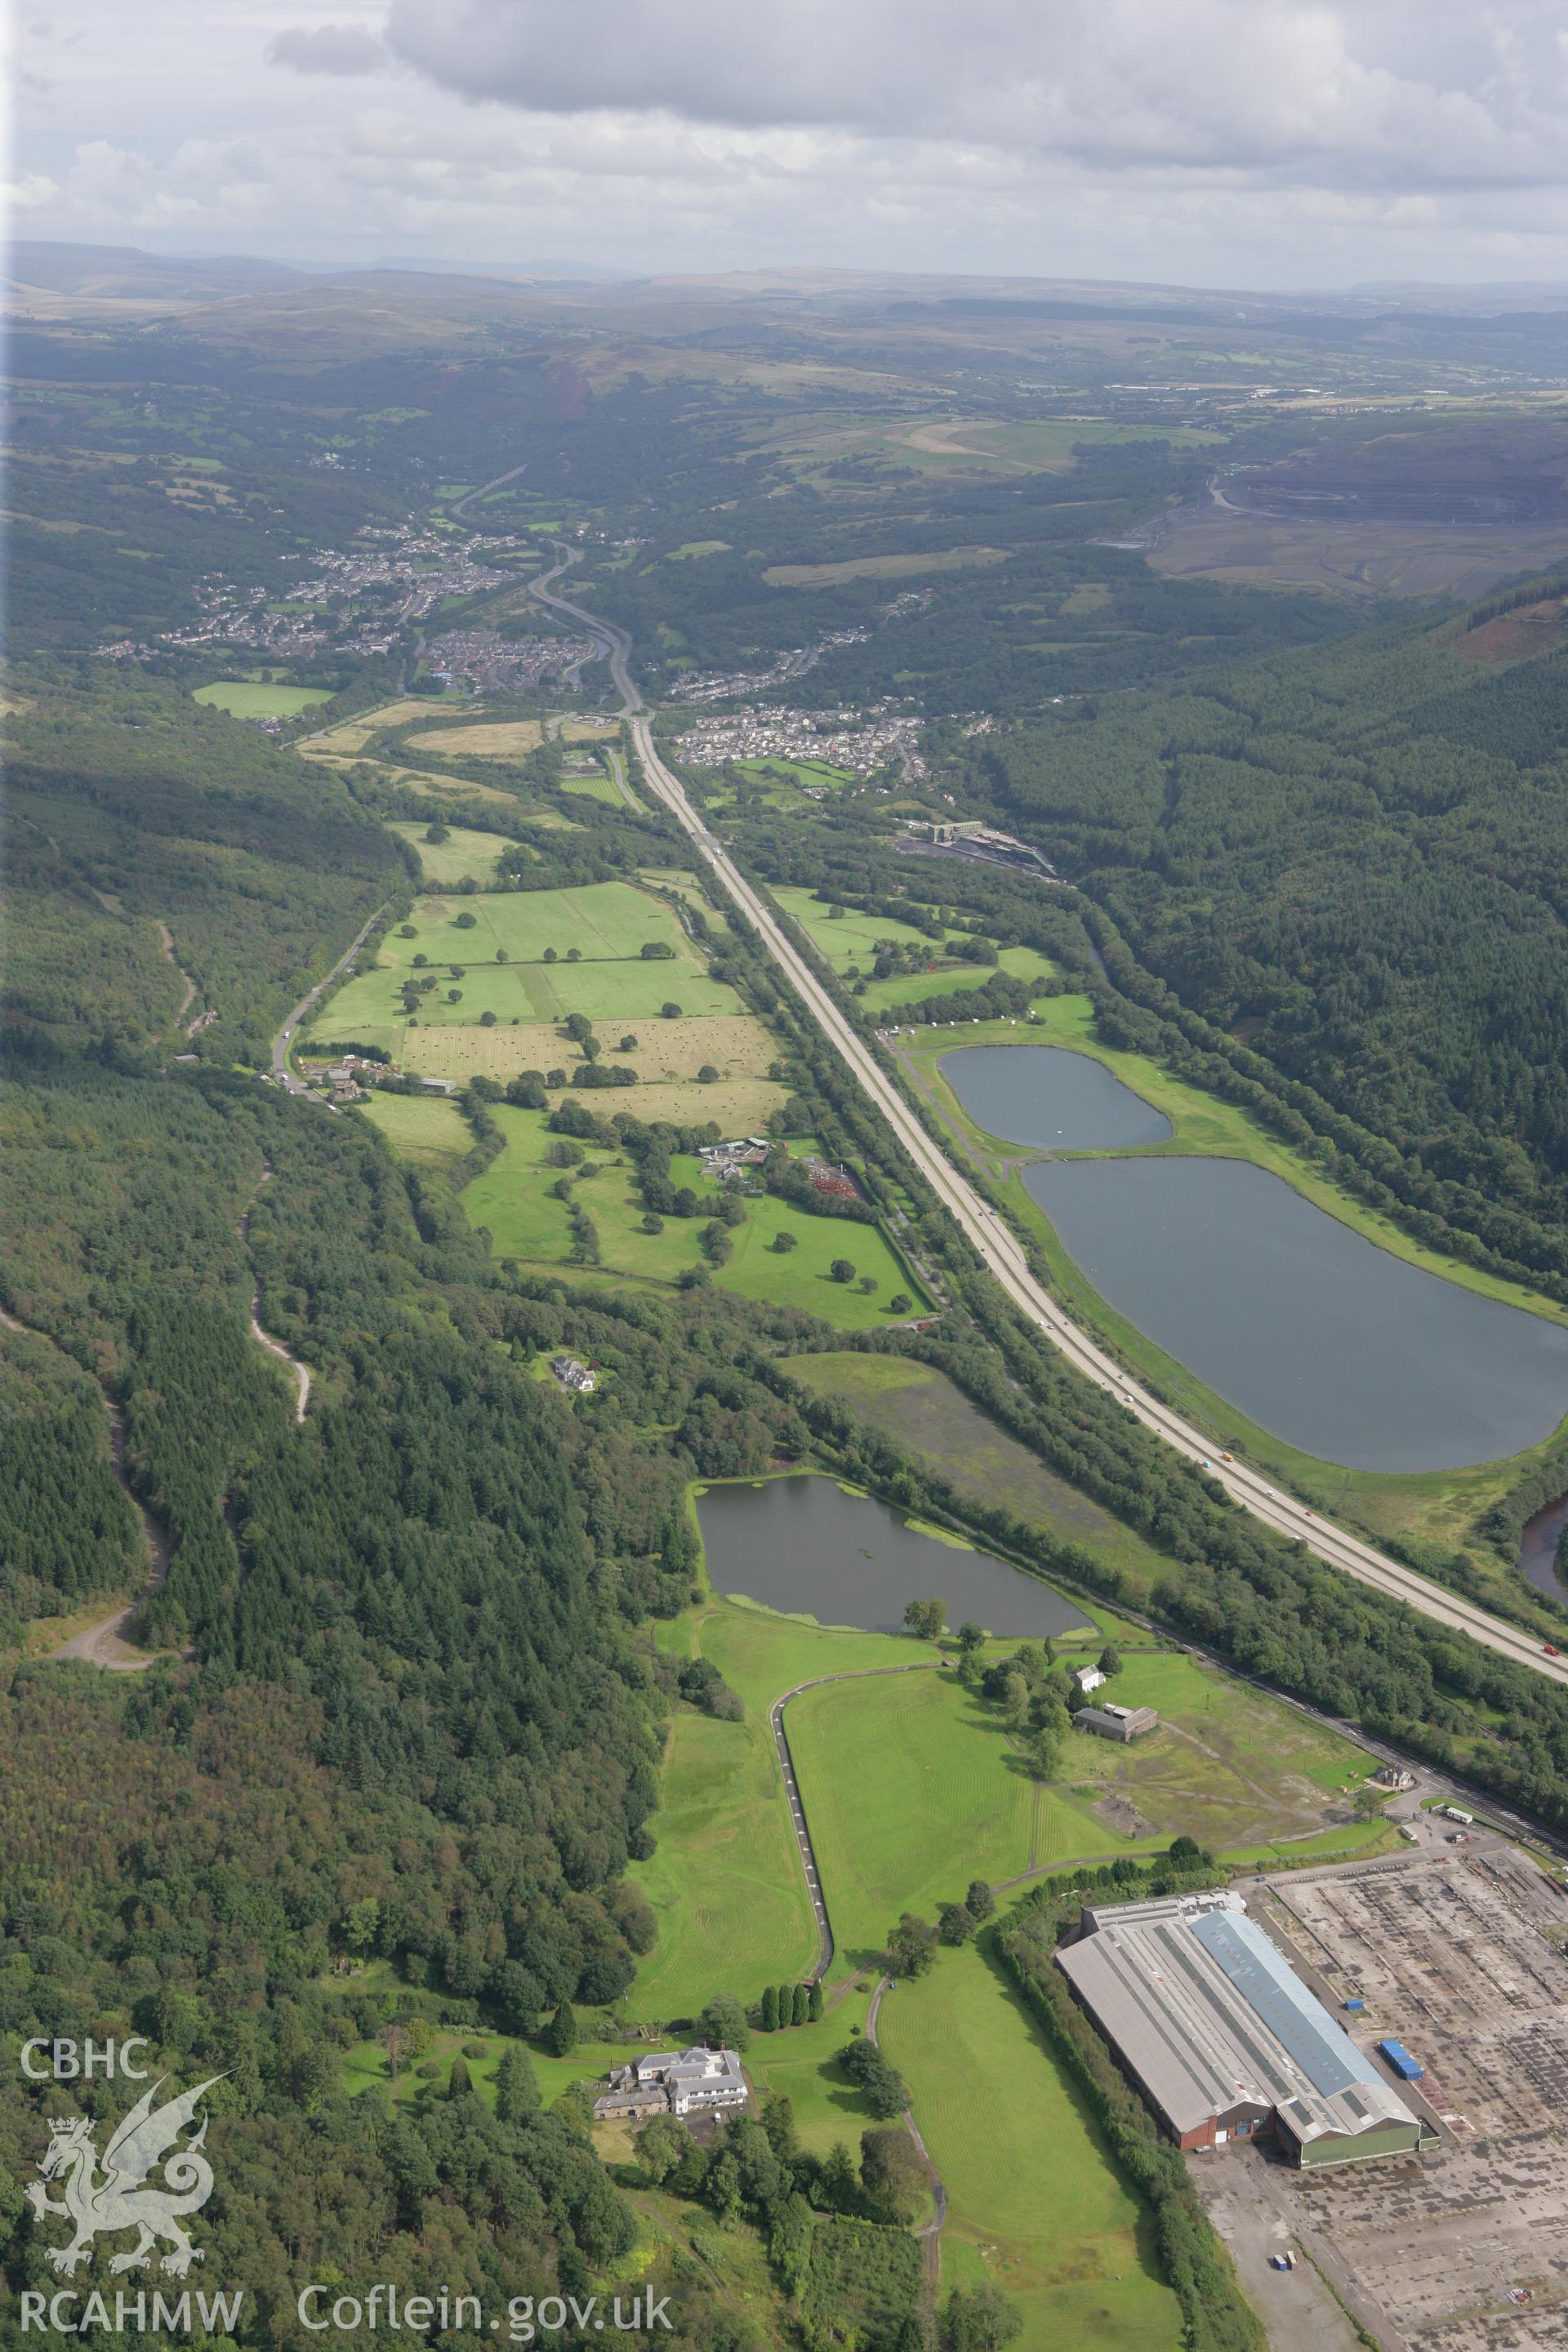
(352, 735)
(506, 739)
(726, 1883)
(848, 942)
(722, 1790)
(1036, 2203)
(799, 772)
(526, 956)
(421, 1129)
(912, 1789)
(666, 1053)
(882, 567)
(596, 786)
(512, 1199)
(465, 855)
(256, 699)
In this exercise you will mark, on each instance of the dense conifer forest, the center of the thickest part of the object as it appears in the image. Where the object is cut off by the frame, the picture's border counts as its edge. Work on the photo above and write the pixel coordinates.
(1351, 862)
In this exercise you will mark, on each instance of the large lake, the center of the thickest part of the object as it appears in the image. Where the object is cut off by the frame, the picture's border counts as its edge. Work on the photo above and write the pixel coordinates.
(1325, 1339)
(1054, 1100)
(803, 1546)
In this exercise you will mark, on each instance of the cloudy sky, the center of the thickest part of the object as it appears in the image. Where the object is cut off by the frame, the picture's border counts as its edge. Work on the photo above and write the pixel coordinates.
(1240, 143)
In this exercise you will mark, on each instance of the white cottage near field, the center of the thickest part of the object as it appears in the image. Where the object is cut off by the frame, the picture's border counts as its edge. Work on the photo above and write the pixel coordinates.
(676, 2082)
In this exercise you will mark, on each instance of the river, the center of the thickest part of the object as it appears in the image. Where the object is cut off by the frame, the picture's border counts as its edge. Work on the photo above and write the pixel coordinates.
(803, 1546)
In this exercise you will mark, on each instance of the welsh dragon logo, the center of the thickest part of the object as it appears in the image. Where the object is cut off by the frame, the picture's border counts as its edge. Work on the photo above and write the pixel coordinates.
(116, 2200)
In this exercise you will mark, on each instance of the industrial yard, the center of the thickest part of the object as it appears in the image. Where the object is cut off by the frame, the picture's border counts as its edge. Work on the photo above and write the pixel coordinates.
(1460, 1956)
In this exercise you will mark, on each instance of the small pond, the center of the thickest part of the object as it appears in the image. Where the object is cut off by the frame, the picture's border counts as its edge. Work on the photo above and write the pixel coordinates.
(1051, 1098)
(1324, 1338)
(803, 1546)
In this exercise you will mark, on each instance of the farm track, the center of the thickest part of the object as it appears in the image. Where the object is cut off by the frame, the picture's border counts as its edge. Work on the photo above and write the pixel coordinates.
(274, 1347)
(104, 1644)
(281, 1073)
(166, 938)
(998, 1247)
(930, 2233)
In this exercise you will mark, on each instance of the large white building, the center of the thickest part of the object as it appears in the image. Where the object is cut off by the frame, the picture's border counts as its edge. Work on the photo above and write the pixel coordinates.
(1224, 2038)
(676, 2082)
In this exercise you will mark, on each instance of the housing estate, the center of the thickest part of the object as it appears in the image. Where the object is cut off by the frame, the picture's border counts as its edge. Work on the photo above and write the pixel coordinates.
(676, 2082)
(1223, 2037)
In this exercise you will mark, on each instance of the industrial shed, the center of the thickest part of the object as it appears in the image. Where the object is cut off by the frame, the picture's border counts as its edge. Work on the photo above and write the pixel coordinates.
(1223, 2037)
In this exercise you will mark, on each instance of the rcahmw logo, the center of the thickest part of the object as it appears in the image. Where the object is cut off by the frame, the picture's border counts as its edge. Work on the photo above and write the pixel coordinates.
(108, 2199)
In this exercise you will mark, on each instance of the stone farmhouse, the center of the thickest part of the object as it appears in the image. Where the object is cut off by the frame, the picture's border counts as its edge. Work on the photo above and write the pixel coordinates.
(677, 2083)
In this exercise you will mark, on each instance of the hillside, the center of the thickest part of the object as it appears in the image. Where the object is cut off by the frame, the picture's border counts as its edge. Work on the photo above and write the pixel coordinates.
(1354, 863)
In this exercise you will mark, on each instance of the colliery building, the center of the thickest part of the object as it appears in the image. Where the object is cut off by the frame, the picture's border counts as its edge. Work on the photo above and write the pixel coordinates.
(1223, 2037)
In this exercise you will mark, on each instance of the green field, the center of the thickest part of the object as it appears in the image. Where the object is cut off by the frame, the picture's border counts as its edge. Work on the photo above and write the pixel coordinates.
(1036, 2203)
(512, 1199)
(799, 772)
(421, 1129)
(726, 1883)
(802, 1279)
(919, 1408)
(850, 941)
(912, 1789)
(1437, 1505)
(245, 698)
(913, 987)
(722, 1794)
(596, 787)
(606, 922)
(462, 856)
(851, 937)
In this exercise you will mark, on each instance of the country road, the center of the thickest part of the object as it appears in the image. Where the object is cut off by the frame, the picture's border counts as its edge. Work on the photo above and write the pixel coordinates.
(999, 1248)
(280, 1070)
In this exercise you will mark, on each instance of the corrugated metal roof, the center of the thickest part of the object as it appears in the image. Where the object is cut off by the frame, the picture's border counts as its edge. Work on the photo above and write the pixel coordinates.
(1272, 1990)
(1210, 2016)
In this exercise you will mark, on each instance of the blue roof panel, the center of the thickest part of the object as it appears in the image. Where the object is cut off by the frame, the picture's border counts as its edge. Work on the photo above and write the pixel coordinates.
(1297, 2019)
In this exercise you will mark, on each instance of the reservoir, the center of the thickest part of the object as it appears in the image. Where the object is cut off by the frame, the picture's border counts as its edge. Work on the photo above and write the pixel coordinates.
(1539, 1546)
(804, 1547)
(1051, 1098)
(1324, 1338)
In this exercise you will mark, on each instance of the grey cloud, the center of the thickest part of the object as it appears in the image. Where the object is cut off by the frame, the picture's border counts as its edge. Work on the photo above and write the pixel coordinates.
(1401, 94)
(328, 49)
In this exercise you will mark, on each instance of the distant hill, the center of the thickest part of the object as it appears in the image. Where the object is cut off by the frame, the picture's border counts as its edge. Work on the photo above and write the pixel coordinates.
(123, 272)
(584, 271)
